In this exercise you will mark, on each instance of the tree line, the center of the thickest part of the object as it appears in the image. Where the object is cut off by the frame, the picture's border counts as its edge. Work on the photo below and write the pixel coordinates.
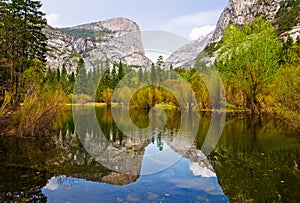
(260, 72)
(157, 85)
(21, 42)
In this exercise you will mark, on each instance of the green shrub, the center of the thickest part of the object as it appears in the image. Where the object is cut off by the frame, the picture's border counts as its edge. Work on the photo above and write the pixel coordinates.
(43, 102)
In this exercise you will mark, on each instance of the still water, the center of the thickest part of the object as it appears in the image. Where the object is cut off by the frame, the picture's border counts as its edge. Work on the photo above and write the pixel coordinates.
(254, 160)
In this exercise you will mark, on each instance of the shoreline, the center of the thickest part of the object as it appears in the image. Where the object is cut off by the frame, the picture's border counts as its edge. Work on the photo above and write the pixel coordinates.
(165, 107)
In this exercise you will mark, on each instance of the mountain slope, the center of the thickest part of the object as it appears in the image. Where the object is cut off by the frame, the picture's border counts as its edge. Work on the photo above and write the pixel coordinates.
(245, 12)
(278, 12)
(186, 55)
(105, 41)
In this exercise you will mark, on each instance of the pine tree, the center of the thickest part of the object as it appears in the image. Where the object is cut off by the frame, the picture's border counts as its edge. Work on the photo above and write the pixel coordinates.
(57, 75)
(81, 79)
(298, 40)
(107, 82)
(50, 75)
(140, 75)
(120, 71)
(64, 80)
(71, 77)
(21, 39)
(170, 75)
(71, 81)
(114, 77)
(153, 75)
(289, 41)
(160, 62)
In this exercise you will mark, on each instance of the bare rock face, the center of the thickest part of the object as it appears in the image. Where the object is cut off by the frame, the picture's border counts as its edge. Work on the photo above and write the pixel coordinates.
(237, 12)
(186, 55)
(245, 12)
(113, 40)
(294, 33)
(61, 50)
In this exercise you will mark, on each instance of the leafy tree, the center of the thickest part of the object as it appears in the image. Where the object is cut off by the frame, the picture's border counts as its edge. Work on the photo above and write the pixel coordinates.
(106, 96)
(248, 59)
(43, 101)
(286, 93)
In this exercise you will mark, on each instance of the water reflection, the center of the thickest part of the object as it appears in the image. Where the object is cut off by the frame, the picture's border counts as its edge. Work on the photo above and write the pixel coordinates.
(76, 176)
(185, 181)
(258, 160)
(98, 138)
(188, 175)
(254, 161)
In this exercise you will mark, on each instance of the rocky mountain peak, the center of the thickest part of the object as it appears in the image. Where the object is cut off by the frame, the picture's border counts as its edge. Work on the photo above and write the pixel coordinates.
(283, 14)
(112, 40)
(121, 24)
(186, 55)
(242, 12)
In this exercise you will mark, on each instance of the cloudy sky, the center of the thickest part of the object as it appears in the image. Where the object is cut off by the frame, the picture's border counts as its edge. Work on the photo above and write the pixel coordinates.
(190, 19)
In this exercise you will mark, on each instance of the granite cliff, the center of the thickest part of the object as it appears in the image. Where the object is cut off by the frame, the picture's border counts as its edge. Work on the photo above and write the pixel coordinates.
(105, 41)
(186, 55)
(283, 14)
(245, 12)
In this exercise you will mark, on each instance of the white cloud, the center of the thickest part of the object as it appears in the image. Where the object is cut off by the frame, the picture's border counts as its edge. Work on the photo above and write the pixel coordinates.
(201, 171)
(201, 31)
(197, 19)
(52, 19)
(52, 184)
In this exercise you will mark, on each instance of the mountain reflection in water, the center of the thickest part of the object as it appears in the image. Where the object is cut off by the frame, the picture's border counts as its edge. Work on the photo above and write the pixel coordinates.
(60, 169)
(184, 181)
(254, 161)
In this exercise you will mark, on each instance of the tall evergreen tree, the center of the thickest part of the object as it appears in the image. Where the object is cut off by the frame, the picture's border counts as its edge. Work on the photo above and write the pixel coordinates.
(114, 77)
(22, 39)
(141, 75)
(81, 79)
(57, 75)
(298, 40)
(107, 82)
(153, 75)
(160, 62)
(120, 71)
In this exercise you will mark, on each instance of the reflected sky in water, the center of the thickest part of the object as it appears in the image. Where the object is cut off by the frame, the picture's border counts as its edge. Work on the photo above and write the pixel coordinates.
(185, 181)
(59, 168)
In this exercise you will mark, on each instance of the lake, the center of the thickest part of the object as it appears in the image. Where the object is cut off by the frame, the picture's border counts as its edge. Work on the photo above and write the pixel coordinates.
(101, 155)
